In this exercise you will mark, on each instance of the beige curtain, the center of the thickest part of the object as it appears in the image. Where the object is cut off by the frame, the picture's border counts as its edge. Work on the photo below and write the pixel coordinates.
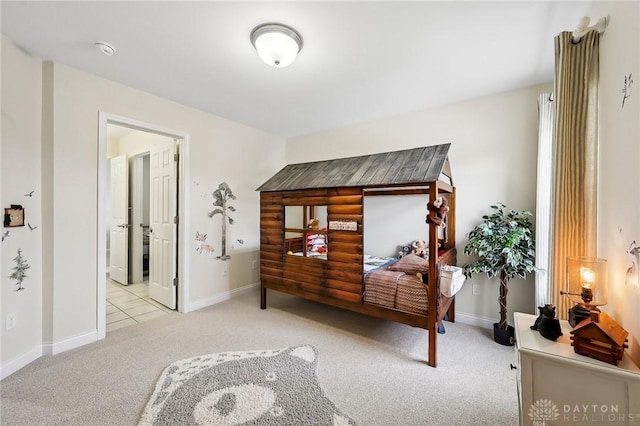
(575, 157)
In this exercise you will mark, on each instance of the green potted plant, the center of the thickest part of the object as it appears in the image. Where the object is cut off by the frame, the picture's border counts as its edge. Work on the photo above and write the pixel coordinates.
(505, 245)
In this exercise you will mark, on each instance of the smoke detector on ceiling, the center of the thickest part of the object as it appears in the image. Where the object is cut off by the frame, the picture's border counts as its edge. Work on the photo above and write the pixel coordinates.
(106, 48)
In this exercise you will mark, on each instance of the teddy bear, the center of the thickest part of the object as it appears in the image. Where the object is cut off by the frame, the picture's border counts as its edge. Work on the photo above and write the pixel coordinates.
(419, 248)
(546, 323)
(404, 250)
(314, 224)
(437, 212)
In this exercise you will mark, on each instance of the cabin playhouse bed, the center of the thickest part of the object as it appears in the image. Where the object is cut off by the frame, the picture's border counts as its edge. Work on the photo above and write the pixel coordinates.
(312, 237)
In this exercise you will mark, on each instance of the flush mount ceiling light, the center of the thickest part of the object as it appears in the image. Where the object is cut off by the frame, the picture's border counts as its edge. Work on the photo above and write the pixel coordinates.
(105, 47)
(277, 44)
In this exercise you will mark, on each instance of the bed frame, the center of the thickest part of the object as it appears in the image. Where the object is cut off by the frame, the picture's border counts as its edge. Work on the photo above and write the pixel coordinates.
(341, 185)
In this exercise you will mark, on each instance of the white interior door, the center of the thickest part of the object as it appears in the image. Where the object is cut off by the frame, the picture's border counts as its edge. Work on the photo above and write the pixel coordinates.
(119, 235)
(137, 246)
(162, 231)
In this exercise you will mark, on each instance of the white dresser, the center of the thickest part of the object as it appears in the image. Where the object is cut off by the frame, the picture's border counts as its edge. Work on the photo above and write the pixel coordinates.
(556, 386)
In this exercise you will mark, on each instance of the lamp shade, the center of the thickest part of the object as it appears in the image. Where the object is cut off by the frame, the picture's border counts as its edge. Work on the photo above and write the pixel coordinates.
(277, 44)
(587, 280)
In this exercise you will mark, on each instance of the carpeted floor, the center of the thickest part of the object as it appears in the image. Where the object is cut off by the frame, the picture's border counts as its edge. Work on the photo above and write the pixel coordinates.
(373, 370)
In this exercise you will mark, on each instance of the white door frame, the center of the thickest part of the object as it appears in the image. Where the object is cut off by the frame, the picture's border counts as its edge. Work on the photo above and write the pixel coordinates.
(105, 119)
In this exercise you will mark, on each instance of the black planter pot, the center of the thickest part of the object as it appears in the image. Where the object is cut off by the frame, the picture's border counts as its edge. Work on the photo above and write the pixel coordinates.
(504, 337)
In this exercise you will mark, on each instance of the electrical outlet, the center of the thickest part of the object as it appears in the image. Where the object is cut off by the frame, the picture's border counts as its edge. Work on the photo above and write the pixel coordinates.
(12, 319)
(475, 289)
(254, 265)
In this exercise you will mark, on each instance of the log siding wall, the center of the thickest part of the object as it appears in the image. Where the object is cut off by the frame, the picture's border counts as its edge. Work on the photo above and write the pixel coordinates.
(338, 277)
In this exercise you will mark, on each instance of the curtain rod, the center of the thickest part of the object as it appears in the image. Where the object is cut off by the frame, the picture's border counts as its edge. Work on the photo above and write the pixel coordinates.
(583, 27)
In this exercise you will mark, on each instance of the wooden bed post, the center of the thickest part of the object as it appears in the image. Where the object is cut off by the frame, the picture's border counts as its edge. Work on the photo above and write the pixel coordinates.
(451, 232)
(432, 318)
(263, 297)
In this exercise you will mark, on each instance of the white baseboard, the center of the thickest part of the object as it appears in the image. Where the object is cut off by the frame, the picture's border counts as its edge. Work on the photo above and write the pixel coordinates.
(474, 320)
(23, 360)
(203, 303)
(70, 343)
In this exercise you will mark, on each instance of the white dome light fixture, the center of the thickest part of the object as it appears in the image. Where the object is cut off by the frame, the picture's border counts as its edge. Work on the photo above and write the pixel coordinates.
(105, 47)
(277, 44)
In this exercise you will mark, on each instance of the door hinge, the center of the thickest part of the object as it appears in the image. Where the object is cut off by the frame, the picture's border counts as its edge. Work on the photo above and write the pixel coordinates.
(176, 157)
(176, 220)
(175, 282)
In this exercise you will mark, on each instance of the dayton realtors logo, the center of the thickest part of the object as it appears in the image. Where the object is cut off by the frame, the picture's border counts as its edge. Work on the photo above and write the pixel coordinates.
(544, 410)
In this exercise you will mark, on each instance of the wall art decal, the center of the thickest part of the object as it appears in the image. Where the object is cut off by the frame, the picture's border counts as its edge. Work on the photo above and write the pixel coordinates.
(222, 196)
(626, 89)
(203, 247)
(633, 272)
(13, 216)
(19, 271)
(31, 228)
(5, 234)
(29, 194)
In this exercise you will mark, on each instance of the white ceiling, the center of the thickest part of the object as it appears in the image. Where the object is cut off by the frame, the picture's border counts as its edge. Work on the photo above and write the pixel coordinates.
(361, 60)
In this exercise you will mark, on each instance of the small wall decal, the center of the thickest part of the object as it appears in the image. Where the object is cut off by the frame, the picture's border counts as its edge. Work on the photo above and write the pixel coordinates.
(14, 216)
(31, 227)
(633, 272)
(222, 196)
(626, 90)
(29, 194)
(241, 242)
(5, 234)
(203, 247)
(19, 271)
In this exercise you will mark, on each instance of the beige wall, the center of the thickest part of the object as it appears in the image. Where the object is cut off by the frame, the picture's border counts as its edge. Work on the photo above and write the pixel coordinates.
(493, 158)
(59, 140)
(21, 129)
(214, 143)
(619, 183)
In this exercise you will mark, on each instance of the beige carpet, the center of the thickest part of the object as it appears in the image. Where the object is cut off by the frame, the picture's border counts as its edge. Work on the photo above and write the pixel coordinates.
(374, 370)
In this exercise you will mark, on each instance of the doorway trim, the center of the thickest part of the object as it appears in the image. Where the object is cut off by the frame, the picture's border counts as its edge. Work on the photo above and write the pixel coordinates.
(104, 119)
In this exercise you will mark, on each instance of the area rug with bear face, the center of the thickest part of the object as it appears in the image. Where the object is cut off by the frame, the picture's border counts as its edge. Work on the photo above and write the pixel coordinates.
(266, 387)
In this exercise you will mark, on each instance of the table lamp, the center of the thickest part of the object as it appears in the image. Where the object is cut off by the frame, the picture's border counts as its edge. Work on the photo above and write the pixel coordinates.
(587, 286)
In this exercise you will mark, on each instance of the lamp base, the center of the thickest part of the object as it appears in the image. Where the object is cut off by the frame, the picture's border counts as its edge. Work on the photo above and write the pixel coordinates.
(579, 313)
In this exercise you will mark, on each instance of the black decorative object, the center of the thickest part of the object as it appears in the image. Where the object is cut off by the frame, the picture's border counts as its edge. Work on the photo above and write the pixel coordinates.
(547, 323)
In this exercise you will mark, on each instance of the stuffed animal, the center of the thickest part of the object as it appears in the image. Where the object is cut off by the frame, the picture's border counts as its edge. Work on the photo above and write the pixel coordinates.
(419, 248)
(314, 224)
(437, 212)
(547, 324)
(405, 250)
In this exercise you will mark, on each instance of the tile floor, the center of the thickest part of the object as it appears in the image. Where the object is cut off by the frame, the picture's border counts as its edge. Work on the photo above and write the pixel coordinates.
(130, 304)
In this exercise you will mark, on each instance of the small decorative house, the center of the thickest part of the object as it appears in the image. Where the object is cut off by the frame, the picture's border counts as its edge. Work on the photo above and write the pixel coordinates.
(600, 337)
